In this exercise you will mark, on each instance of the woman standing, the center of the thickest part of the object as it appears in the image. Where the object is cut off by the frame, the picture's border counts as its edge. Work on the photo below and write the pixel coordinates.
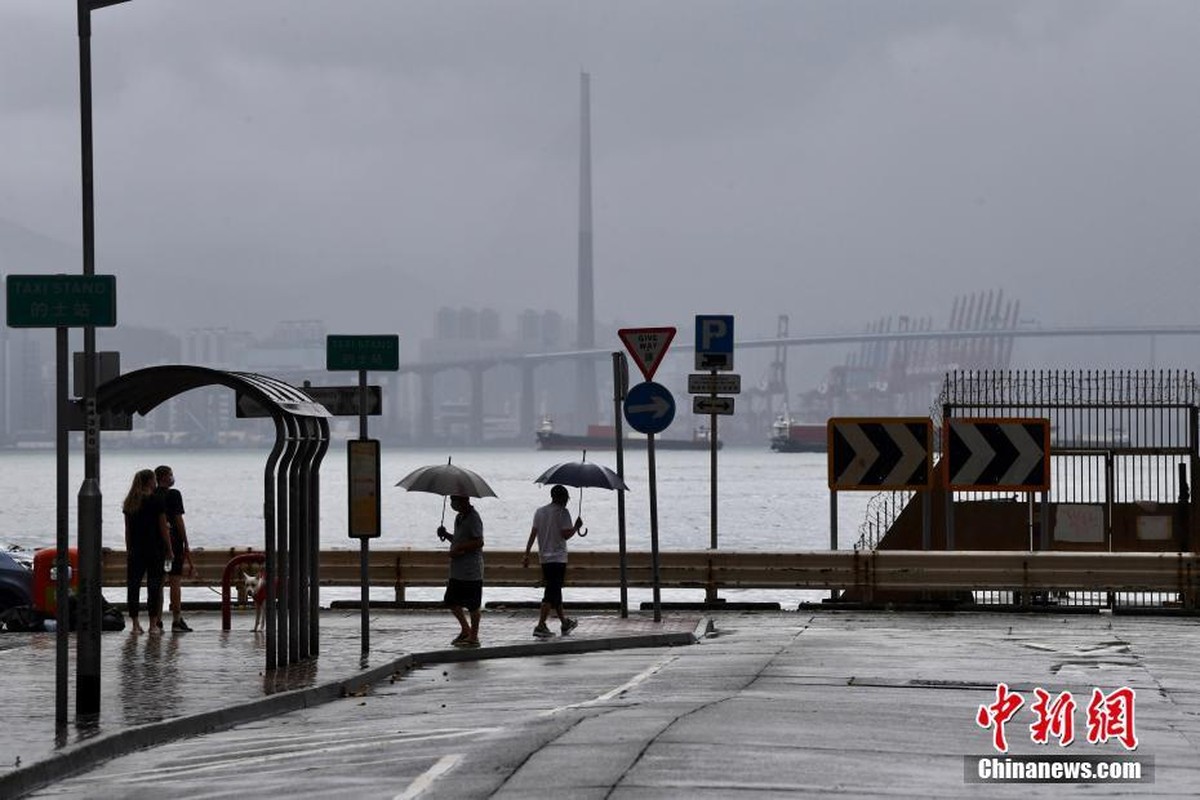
(147, 546)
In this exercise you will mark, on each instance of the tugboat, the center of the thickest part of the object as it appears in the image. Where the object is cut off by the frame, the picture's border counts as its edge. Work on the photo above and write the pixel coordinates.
(789, 436)
(603, 437)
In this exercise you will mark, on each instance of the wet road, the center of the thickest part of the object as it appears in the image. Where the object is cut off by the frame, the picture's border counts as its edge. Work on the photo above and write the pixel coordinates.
(854, 704)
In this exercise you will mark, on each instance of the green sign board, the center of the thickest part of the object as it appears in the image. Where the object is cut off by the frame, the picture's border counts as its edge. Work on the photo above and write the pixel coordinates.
(362, 352)
(61, 301)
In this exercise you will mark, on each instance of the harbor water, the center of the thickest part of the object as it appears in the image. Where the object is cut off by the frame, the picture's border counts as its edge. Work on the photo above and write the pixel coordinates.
(771, 502)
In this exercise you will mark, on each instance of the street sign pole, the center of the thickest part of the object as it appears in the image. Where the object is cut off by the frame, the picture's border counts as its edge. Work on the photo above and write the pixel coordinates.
(362, 353)
(710, 590)
(654, 529)
(62, 541)
(620, 380)
(364, 542)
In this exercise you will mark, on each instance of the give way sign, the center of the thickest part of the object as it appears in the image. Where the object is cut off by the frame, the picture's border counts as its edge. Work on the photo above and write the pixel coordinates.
(647, 346)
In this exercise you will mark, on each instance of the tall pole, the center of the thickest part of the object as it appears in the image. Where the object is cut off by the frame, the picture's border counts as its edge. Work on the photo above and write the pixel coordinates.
(587, 406)
(364, 550)
(62, 540)
(620, 380)
(87, 672)
(654, 575)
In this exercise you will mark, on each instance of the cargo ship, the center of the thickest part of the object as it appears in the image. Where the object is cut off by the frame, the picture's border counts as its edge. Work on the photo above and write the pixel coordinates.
(789, 436)
(603, 437)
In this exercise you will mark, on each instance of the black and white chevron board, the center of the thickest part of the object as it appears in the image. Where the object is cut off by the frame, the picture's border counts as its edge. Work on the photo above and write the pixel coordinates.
(880, 452)
(1004, 454)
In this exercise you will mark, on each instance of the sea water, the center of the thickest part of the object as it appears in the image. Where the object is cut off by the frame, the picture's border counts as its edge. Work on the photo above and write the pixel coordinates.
(767, 502)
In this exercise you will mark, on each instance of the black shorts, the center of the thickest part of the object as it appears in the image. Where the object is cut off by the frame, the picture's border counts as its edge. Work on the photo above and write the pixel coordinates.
(463, 594)
(177, 552)
(554, 574)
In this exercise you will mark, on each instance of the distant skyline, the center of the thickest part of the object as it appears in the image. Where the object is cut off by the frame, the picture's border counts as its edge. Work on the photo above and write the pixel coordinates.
(841, 161)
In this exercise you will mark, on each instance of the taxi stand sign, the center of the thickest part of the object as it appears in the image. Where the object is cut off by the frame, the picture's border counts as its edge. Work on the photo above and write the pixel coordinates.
(376, 353)
(61, 301)
(647, 346)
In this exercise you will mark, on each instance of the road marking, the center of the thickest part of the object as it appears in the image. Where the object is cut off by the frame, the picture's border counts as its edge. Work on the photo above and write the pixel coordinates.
(426, 779)
(609, 695)
(271, 756)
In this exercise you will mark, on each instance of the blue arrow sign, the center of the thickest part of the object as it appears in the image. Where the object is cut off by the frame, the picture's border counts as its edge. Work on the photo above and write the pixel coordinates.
(649, 407)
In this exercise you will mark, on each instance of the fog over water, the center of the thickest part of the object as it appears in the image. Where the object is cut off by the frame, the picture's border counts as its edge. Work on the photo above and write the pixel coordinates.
(768, 501)
(367, 162)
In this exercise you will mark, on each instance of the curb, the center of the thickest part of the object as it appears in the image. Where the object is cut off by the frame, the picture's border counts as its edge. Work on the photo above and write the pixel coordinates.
(92, 752)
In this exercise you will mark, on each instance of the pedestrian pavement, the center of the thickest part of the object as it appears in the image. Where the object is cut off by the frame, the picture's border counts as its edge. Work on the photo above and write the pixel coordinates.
(163, 686)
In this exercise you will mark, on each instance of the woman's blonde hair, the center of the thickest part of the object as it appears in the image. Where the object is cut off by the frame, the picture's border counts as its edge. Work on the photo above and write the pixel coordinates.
(133, 500)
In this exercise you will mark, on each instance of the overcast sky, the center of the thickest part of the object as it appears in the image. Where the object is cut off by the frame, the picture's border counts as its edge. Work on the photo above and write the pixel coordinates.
(367, 161)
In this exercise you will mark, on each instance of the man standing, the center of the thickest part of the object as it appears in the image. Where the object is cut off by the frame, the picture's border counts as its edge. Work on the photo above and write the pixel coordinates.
(464, 590)
(551, 528)
(172, 502)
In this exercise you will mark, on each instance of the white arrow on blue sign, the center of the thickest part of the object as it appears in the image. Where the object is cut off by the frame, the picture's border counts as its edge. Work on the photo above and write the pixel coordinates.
(649, 407)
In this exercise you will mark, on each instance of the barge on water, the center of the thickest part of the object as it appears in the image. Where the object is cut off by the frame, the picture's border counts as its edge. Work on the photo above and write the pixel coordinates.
(603, 437)
(789, 436)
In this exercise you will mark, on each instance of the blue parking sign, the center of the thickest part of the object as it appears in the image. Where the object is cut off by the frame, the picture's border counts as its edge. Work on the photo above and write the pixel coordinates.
(714, 341)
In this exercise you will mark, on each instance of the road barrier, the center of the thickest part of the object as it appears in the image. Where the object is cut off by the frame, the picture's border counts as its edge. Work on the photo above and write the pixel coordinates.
(868, 574)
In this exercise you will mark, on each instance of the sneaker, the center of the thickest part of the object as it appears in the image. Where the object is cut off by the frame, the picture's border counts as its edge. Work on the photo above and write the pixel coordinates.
(542, 632)
(180, 625)
(458, 640)
(469, 643)
(569, 625)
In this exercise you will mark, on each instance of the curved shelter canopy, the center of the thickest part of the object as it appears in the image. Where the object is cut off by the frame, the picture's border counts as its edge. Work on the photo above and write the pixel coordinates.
(291, 508)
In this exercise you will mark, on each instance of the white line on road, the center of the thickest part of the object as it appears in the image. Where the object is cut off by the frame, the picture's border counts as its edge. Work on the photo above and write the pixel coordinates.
(609, 695)
(426, 778)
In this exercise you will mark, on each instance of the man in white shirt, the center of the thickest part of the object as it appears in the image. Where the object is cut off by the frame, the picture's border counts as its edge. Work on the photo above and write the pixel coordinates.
(551, 529)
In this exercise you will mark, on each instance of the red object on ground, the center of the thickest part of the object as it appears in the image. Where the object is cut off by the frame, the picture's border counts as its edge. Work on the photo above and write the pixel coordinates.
(45, 580)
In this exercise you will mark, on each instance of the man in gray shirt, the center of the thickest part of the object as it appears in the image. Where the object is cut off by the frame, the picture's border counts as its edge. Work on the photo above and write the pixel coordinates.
(464, 590)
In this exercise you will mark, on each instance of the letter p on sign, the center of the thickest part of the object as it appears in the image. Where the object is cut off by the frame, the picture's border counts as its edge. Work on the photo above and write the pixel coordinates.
(714, 341)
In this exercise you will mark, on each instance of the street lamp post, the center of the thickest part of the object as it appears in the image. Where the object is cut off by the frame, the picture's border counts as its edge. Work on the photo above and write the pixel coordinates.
(87, 666)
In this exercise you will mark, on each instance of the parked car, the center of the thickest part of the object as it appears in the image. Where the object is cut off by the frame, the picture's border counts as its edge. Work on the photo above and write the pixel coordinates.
(16, 582)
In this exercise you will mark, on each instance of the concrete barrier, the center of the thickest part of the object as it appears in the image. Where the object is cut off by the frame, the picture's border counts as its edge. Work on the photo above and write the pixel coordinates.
(863, 571)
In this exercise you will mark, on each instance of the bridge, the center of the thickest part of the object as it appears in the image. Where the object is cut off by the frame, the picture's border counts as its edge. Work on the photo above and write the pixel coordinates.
(527, 363)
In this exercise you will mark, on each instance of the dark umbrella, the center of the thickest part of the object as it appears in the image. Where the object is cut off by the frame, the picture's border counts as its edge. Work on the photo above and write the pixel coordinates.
(581, 474)
(446, 479)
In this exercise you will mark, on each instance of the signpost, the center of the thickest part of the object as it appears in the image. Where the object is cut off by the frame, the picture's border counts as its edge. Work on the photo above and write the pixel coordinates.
(712, 405)
(1010, 454)
(62, 302)
(873, 453)
(714, 352)
(362, 470)
(620, 388)
(997, 454)
(714, 341)
(647, 346)
(650, 408)
(361, 353)
(340, 401)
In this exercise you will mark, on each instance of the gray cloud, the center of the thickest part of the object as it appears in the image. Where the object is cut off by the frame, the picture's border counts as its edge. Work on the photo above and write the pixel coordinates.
(367, 162)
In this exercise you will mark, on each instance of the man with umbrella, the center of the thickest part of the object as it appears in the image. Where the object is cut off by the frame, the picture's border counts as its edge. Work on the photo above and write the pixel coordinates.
(464, 589)
(551, 528)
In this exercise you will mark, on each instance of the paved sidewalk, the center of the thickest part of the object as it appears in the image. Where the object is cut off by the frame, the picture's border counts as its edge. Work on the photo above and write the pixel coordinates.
(158, 687)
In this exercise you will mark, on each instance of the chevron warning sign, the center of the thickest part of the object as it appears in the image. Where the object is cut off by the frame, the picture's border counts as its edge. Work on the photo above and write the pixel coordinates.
(1004, 453)
(880, 452)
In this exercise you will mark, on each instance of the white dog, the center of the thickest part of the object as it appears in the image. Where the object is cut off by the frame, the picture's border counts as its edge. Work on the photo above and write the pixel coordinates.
(256, 587)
